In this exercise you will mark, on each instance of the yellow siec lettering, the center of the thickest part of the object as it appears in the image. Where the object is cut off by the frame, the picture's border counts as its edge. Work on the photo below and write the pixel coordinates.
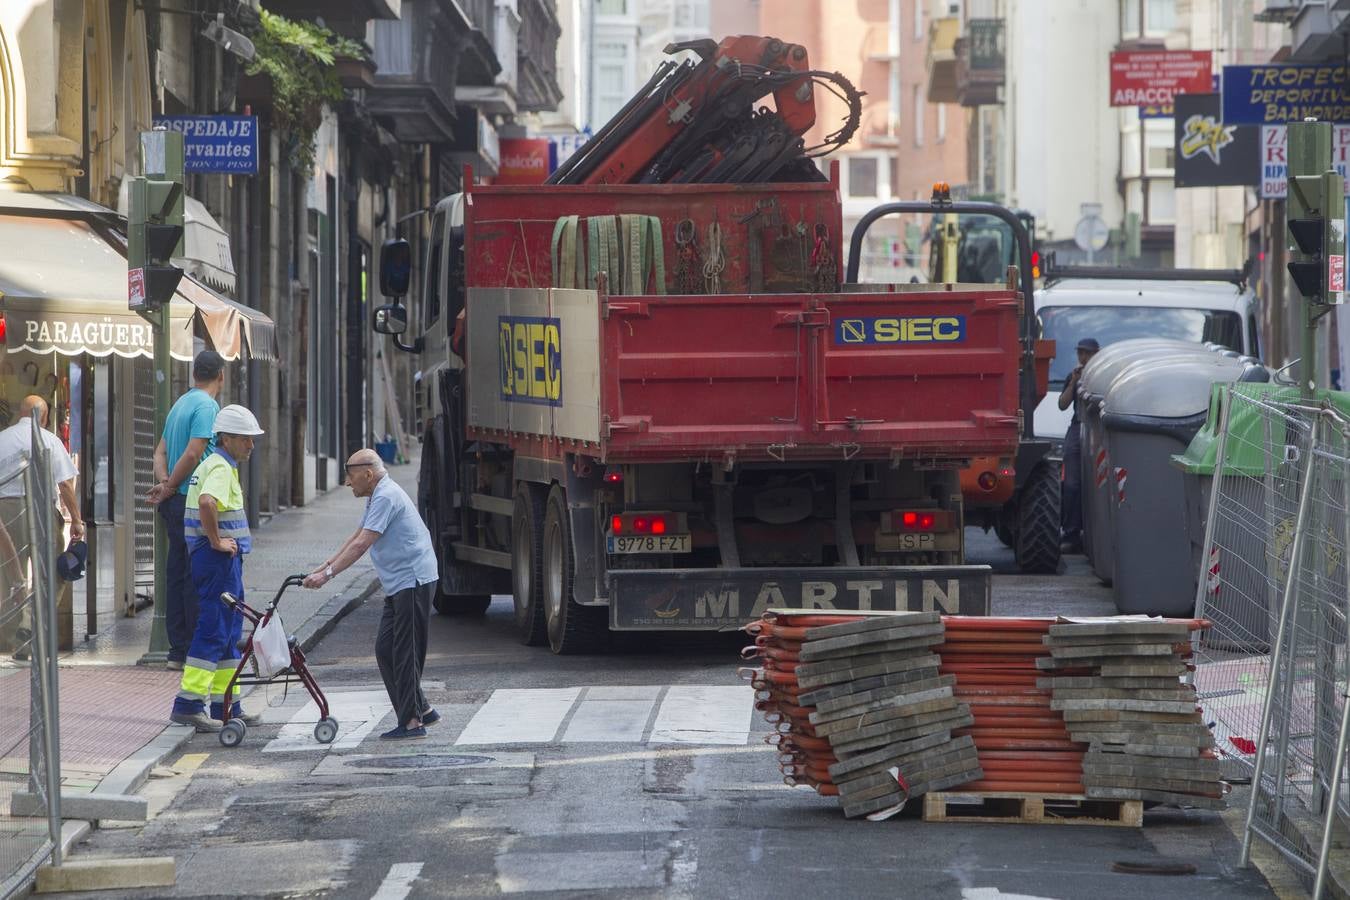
(886, 331)
(553, 361)
(538, 384)
(520, 345)
(946, 328)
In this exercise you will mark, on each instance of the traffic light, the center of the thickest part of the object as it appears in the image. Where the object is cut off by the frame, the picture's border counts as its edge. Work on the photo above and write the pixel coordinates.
(1317, 235)
(154, 236)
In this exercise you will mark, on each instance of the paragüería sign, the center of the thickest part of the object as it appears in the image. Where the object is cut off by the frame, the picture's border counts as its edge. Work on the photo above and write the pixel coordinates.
(1277, 93)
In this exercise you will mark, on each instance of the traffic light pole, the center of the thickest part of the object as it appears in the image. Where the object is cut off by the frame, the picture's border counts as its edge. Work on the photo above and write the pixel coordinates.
(1316, 216)
(162, 157)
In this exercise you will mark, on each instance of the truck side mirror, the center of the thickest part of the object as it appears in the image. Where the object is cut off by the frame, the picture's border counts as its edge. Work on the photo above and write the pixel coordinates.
(395, 272)
(391, 319)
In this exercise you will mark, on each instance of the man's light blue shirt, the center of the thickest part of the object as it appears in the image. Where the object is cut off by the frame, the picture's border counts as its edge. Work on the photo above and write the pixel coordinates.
(403, 555)
(193, 416)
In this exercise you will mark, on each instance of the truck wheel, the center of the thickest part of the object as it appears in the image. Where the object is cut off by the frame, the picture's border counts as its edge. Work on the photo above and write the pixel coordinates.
(527, 568)
(572, 628)
(461, 604)
(1002, 530)
(1037, 547)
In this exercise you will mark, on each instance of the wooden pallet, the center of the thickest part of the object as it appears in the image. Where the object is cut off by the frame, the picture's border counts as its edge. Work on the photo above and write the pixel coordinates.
(1032, 809)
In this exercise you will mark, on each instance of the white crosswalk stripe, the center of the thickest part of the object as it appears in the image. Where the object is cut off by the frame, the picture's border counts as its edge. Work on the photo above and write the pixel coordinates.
(357, 713)
(680, 714)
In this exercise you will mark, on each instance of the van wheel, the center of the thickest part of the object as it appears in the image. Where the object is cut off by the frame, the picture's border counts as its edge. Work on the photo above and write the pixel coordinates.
(527, 532)
(572, 628)
(1037, 547)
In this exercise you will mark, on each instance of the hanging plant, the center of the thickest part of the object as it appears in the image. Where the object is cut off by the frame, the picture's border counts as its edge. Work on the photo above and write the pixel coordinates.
(299, 59)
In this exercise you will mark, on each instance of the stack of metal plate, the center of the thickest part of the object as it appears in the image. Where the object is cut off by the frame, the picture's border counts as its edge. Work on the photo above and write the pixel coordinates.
(1118, 684)
(887, 712)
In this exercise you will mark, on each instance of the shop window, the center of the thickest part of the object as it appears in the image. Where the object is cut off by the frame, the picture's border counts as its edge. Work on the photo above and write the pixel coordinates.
(862, 176)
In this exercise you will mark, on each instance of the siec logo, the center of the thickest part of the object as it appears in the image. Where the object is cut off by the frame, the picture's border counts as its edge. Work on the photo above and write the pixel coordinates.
(529, 351)
(901, 330)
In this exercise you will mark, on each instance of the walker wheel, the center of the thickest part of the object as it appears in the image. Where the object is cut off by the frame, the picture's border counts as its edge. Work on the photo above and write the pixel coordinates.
(326, 730)
(232, 735)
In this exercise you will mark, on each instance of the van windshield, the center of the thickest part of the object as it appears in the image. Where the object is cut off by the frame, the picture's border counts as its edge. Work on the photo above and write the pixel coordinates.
(1067, 325)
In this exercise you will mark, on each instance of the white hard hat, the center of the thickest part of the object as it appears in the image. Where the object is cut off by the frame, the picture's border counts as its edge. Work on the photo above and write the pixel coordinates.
(235, 419)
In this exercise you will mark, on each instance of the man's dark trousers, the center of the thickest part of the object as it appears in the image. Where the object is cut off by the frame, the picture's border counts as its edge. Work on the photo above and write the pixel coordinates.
(180, 613)
(1071, 495)
(401, 649)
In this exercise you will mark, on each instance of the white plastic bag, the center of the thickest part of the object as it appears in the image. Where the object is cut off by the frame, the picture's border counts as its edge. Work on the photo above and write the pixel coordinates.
(270, 648)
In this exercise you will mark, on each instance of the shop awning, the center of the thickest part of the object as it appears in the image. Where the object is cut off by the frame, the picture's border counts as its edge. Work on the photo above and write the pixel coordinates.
(63, 289)
(206, 246)
(233, 328)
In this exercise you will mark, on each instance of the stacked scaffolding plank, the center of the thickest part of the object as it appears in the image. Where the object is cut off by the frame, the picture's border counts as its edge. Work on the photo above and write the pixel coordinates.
(1119, 687)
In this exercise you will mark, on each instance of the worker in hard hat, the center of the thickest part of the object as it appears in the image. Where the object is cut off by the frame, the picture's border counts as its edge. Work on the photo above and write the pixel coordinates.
(216, 529)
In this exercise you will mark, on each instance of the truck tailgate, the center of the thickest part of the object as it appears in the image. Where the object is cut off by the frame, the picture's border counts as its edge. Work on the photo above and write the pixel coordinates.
(927, 374)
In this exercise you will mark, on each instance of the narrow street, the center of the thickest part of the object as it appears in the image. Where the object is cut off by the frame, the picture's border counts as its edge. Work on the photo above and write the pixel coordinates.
(640, 773)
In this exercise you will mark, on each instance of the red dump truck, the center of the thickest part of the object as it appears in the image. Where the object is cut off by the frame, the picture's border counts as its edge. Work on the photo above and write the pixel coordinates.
(659, 406)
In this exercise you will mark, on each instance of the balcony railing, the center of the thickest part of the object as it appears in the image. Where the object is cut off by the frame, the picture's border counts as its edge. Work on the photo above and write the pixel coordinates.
(537, 55)
(980, 61)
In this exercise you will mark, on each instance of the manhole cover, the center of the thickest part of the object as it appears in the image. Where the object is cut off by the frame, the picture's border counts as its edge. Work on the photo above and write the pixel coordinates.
(429, 761)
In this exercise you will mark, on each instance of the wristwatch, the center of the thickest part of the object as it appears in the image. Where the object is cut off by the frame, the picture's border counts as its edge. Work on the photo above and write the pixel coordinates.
(328, 573)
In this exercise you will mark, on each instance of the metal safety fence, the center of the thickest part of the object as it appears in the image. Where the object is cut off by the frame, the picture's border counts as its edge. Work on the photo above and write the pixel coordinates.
(1272, 669)
(30, 753)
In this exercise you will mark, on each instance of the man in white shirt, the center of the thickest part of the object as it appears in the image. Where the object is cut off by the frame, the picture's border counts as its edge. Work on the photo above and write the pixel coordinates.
(16, 445)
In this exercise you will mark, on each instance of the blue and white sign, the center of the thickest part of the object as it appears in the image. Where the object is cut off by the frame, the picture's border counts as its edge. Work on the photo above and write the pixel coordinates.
(1279, 93)
(220, 144)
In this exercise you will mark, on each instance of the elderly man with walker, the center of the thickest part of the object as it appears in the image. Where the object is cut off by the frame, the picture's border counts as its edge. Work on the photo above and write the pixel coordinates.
(405, 561)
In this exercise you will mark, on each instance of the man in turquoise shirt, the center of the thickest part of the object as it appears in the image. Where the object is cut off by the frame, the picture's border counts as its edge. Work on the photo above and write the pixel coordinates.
(185, 443)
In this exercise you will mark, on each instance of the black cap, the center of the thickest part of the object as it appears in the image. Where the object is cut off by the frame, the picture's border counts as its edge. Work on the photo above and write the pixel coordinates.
(207, 366)
(1089, 344)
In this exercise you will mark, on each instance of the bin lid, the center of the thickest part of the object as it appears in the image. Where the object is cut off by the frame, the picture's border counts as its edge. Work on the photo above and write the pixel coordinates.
(1171, 387)
(1245, 453)
(1102, 369)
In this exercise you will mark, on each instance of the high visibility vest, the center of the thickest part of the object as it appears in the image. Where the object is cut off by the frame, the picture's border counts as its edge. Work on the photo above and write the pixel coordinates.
(217, 476)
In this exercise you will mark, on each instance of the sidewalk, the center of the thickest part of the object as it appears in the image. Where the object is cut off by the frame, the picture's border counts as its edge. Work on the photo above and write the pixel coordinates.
(114, 713)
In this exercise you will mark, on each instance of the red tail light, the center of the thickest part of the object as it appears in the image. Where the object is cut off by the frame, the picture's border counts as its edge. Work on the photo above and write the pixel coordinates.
(613, 475)
(616, 524)
(648, 523)
(918, 520)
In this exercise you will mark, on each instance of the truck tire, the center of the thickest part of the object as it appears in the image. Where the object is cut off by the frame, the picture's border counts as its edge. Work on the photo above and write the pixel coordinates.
(463, 588)
(1037, 547)
(527, 566)
(572, 628)
(1004, 532)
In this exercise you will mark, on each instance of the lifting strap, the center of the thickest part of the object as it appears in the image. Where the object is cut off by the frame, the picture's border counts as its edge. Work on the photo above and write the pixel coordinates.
(629, 251)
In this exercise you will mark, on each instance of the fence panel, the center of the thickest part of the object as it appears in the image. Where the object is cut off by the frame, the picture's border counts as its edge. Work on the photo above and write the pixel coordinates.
(29, 709)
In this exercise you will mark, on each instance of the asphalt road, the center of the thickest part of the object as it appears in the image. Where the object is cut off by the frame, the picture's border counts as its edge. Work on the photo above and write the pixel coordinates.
(601, 807)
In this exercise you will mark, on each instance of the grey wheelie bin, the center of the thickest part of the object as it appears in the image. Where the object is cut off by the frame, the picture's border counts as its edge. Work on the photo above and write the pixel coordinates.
(1098, 375)
(1151, 411)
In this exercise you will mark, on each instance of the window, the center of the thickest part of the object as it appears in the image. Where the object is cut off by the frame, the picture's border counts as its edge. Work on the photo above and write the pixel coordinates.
(862, 176)
(1162, 152)
(1162, 202)
(894, 164)
(611, 7)
(919, 110)
(918, 20)
(1066, 325)
(431, 306)
(611, 81)
(1161, 16)
(942, 122)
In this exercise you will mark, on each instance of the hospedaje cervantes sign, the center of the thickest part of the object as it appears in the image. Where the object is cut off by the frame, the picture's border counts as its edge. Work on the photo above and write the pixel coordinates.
(225, 145)
(1278, 93)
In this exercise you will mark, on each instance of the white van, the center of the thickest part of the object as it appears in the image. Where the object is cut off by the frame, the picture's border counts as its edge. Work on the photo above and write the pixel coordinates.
(1116, 304)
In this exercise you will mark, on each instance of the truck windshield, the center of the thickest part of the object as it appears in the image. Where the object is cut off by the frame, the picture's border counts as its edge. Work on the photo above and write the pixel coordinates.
(1067, 325)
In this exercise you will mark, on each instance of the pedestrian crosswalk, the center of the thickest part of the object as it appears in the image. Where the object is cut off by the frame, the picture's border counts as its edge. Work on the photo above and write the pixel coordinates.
(651, 714)
(596, 714)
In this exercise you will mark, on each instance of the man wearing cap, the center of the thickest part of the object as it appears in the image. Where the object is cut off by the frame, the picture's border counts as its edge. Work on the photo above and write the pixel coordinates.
(216, 530)
(185, 443)
(1071, 497)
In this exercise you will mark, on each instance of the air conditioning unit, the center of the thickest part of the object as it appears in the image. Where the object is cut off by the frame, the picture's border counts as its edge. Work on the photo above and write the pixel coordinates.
(1278, 11)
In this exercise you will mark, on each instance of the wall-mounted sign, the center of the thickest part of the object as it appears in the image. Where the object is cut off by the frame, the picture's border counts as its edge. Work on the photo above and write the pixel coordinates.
(1156, 77)
(525, 161)
(1275, 159)
(220, 144)
(1276, 93)
(1211, 152)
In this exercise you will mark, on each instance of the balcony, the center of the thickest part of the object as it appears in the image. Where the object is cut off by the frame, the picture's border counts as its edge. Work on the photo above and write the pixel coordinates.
(499, 98)
(941, 59)
(478, 65)
(417, 61)
(980, 63)
(537, 56)
(347, 19)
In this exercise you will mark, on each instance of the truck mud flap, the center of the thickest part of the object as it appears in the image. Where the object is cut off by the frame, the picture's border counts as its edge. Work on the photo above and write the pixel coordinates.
(726, 599)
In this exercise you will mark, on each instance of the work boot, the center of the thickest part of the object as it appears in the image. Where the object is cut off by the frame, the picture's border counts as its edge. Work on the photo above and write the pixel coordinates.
(236, 712)
(175, 665)
(200, 720)
(23, 637)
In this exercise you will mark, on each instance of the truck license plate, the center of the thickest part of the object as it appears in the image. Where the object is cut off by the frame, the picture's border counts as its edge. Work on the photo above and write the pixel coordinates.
(650, 543)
